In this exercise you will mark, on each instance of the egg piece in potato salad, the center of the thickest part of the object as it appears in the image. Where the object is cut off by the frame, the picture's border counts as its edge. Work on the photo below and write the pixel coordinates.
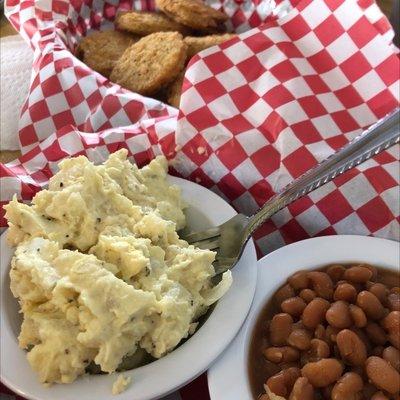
(100, 271)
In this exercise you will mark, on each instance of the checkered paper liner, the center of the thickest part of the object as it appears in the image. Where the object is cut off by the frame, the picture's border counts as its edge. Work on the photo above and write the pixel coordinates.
(255, 112)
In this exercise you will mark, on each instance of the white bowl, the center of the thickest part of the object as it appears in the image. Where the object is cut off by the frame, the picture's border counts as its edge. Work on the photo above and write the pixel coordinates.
(166, 374)
(228, 377)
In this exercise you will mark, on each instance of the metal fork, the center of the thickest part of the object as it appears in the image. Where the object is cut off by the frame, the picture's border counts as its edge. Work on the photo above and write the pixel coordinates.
(230, 238)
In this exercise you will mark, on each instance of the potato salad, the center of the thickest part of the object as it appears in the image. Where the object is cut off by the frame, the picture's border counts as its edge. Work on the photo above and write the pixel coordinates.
(100, 271)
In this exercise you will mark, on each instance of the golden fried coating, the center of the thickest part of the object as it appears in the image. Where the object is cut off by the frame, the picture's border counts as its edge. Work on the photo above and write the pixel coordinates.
(151, 63)
(193, 13)
(101, 50)
(173, 91)
(145, 23)
(197, 44)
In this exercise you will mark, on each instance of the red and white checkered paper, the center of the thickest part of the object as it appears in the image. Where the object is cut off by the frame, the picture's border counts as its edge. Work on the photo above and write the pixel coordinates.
(256, 111)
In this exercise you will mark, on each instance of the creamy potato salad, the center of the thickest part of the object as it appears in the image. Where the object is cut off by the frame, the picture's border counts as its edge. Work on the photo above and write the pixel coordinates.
(99, 269)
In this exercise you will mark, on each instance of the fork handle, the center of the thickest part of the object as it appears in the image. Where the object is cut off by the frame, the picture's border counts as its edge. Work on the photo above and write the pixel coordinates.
(378, 137)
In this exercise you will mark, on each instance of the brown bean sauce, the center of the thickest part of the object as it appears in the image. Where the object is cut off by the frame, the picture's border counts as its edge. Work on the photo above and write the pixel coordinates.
(259, 368)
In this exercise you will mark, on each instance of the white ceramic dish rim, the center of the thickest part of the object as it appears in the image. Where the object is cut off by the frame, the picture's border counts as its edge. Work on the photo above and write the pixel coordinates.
(163, 376)
(307, 254)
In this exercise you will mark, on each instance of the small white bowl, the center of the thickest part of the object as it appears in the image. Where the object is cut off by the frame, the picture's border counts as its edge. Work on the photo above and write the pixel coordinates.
(166, 374)
(228, 377)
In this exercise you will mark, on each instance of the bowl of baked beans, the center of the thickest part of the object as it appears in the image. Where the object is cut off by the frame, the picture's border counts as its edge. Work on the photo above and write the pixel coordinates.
(325, 324)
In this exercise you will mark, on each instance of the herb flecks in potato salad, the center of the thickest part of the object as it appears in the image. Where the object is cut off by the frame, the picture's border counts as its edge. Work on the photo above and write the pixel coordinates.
(99, 269)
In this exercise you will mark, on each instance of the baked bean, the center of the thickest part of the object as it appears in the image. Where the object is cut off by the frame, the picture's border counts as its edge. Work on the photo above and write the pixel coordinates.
(392, 356)
(290, 376)
(331, 333)
(285, 292)
(380, 291)
(391, 321)
(319, 332)
(346, 292)
(370, 304)
(280, 328)
(321, 283)
(276, 384)
(394, 338)
(314, 313)
(348, 387)
(393, 300)
(379, 396)
(338, 315)
(323, 372)
(358, 316)
(376, 334)
(302, 390)
(336, 272)
(392, 325)
(372, 269)
(307, 295)
(281, 354)
(299, 280)
(293, 306)
(335, 321)
(382, 374)
(351, 347)
(358, 274)
(281, 383)
(368, 284)
(377, 351)
(318, 349)
(300, 339)
(298, 325)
